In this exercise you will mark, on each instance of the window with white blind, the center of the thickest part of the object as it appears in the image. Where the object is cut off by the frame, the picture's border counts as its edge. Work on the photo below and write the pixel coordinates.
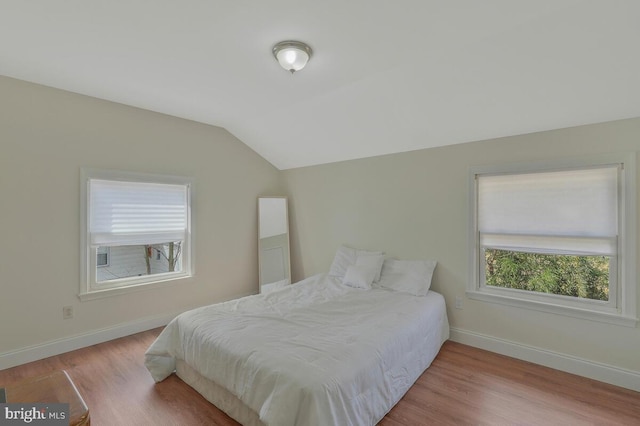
(558, 237)
(136, 231)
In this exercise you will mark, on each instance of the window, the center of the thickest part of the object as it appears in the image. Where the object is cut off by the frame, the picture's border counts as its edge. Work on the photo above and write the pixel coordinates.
(136, 231)
(558, 237)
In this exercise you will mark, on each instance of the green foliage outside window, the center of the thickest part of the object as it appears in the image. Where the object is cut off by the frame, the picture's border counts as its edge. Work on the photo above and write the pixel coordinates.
(578, 276)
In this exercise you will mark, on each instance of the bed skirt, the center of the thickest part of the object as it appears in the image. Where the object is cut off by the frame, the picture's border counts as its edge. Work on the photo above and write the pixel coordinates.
(217, 395)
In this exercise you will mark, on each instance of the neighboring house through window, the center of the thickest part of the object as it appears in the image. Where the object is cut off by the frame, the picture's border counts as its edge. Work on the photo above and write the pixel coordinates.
(103, 257)
(136, 231)
(557, 236)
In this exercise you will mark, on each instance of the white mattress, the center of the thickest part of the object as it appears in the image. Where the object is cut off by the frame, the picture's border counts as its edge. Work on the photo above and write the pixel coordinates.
(314, 353)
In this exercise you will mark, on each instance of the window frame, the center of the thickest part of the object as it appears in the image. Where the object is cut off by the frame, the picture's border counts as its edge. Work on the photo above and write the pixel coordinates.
(89, 286)
(621, 308)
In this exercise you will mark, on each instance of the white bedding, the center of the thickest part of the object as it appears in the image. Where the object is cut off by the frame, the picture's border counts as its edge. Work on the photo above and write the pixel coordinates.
(314, 353)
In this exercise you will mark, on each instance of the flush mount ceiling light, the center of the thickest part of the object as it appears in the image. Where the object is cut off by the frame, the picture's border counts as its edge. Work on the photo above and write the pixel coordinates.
(292, 55)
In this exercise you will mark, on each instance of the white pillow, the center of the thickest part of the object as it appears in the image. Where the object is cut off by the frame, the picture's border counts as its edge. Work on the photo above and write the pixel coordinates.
(346, 256)
(371, 261)
(408, 276)
(364, 271)
(358, 277)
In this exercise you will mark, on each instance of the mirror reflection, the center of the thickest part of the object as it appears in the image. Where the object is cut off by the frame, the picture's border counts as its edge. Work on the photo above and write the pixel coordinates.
(273, 243)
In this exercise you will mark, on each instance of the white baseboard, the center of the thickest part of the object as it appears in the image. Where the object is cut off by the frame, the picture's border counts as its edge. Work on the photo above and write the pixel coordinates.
(93, 337)
(59, 346)
(594, 370)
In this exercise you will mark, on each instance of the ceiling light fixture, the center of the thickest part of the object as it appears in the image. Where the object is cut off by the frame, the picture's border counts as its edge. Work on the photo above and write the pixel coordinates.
(292, 55)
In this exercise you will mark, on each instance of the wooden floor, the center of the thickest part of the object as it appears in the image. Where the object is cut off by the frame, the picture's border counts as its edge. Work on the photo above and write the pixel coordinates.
(463, 386)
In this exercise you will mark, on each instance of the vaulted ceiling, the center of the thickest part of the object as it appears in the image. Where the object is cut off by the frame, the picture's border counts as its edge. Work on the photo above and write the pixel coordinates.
(386, 76)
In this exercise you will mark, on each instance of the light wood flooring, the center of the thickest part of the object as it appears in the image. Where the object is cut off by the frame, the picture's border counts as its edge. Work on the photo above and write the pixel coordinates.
(463, 386)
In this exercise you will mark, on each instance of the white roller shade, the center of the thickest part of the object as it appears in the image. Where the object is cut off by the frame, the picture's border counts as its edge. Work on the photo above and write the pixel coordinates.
(571, 211)
(127, 213)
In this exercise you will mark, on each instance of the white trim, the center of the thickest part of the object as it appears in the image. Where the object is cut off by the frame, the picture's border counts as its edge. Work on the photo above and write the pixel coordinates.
(591, 313)
(617, 376)
(624, 291)
(66, 344)
(628, 245)
(89, 289)
(171, 279)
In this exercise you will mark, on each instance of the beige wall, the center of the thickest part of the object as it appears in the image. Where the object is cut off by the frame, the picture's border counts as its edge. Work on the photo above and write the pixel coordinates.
(46, 136)
(414, 206)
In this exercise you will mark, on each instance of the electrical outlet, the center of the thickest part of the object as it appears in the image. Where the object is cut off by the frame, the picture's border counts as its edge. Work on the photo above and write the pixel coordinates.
(67, 312)
(458, 302)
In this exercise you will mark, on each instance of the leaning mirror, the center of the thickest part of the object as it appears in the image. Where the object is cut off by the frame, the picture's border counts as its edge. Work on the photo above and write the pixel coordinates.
(273, 243)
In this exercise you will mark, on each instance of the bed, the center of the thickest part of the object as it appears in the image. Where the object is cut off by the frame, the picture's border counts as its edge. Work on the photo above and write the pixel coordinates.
(322, 351)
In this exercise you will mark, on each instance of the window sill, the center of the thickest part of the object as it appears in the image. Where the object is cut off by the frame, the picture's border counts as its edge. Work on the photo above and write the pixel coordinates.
(555, 309)
(116, 291)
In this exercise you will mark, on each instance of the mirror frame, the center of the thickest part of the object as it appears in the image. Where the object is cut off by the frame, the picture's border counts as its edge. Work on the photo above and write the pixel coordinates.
(287, 254)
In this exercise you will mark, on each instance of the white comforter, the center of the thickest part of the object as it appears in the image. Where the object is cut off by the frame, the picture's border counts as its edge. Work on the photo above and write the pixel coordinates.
(314, 353)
